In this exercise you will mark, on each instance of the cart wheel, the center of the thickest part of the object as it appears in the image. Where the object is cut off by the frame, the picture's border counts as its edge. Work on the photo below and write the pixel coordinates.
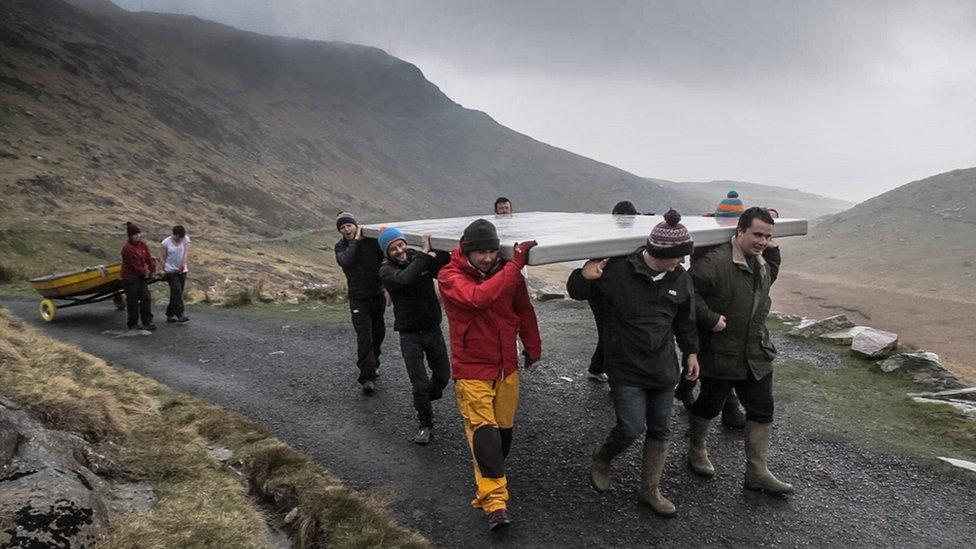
(49, 311)
(119, 301)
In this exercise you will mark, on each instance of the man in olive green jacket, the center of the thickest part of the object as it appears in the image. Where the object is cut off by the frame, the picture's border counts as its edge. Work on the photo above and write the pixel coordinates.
(732, 302)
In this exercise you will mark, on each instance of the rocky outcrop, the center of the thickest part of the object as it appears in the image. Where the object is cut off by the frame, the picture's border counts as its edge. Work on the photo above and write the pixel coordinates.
(808, 329)
(843, 337)
(924, 368)
(872, 343)
(50, 496)
(541, 290)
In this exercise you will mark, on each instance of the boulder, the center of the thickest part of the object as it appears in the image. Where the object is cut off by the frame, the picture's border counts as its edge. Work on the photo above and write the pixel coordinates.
(965, 408)
(785, 318)
(872, 343)
(843, 337)
(924, 368)
(820, 327)
(549, 292)
(48, 496)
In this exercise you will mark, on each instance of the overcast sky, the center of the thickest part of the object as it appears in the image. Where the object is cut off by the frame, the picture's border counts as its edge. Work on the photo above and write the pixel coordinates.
(842, 98)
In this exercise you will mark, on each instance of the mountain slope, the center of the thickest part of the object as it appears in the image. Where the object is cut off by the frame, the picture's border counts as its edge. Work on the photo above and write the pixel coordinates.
(789, 202)
(919, 238)
(111, 115)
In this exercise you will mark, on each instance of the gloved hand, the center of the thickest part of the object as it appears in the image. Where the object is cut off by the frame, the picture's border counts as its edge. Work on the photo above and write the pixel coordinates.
(521, 255)
(530, 364)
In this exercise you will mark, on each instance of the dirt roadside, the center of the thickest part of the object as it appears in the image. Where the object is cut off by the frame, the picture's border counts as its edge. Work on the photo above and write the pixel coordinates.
(941, 326)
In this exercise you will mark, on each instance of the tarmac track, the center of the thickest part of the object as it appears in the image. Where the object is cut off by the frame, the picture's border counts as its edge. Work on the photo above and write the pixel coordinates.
(308, 396)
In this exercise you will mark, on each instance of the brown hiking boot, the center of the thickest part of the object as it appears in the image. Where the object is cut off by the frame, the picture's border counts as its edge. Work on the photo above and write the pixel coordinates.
(600, 473)
(498, 519)
(655, 452)
(758, 476)
(697, 446)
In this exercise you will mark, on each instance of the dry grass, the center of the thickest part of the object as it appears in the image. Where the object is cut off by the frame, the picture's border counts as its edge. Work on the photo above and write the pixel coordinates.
(162, 438)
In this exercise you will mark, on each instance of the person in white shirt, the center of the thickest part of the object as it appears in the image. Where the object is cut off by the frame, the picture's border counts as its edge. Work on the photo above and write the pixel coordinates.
(176, 252)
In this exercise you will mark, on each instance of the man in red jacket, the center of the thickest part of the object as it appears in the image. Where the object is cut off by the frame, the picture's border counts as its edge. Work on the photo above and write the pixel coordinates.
(488, 309)
(138, 266)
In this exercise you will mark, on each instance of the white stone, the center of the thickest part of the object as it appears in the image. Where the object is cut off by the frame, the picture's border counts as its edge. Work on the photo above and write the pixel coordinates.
(874, 343)
(549, 292)
(966, 408)
(900, 361)
(969, 393)
(843, 337)
(830, 324)
(961, 463)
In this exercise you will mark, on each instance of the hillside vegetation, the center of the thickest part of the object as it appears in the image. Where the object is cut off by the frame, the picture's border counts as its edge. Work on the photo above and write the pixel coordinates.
(253, 142)
(916, 239)
(109, 116)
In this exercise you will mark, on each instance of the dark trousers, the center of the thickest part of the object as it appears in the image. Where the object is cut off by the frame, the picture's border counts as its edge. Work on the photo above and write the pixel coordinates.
(685, 385)
(177, 281)
(636, 410)
(370, 326)
(138, 302)
(596, 361)
(756, 396)
(414, 346)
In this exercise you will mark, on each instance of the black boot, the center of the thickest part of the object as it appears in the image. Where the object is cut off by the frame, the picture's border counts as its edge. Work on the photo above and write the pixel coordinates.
(685, 392)
(732, 414)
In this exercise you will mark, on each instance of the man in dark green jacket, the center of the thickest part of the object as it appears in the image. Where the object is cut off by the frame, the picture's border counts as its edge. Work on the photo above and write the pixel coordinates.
(732, 302)
(647, 299)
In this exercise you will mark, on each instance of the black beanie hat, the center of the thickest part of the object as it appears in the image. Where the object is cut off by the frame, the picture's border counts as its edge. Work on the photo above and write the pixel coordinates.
(479, 235)
(346, 217)
(131, 229)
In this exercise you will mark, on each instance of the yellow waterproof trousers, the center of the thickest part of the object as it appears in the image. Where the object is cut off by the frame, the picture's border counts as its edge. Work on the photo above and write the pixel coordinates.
(488, 409)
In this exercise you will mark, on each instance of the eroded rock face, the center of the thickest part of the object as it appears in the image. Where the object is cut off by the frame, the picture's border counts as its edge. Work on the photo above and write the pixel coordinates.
(48, 495)
(820, 327)
(924, 368)
(873, 343)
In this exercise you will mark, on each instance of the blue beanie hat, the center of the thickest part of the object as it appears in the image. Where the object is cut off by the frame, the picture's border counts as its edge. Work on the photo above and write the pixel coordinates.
(388, 236)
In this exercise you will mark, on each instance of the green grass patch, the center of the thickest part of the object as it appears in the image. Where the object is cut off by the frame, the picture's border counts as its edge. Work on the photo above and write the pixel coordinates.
(858, 403)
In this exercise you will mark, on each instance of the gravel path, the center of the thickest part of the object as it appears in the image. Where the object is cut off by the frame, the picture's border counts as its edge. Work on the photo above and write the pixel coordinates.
(307, 395)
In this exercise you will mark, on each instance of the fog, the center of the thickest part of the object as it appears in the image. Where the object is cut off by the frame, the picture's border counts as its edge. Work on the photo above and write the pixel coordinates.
(845, 99)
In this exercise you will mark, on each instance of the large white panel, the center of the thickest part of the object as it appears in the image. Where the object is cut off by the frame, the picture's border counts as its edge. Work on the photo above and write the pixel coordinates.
(573, 236)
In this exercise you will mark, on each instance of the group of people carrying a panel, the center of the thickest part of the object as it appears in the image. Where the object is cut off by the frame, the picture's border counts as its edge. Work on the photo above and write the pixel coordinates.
(646, 305)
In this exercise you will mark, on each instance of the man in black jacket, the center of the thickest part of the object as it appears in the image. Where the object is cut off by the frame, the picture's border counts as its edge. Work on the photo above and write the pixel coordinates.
(360, 261)
(648, 300)
(408, 276)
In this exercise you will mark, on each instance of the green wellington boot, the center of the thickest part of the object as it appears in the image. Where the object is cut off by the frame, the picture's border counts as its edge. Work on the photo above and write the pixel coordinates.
(758, 476)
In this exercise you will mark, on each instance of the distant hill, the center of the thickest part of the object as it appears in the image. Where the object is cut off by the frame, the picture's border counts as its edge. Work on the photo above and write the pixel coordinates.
(788, 202)
(919, 238)
(111, 116)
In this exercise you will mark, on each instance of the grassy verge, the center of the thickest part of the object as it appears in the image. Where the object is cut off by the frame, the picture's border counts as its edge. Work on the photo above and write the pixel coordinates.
(162, 436)
(871, 407)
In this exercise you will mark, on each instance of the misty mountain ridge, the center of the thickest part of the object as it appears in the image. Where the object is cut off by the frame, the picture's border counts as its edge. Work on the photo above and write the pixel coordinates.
(113, 115)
